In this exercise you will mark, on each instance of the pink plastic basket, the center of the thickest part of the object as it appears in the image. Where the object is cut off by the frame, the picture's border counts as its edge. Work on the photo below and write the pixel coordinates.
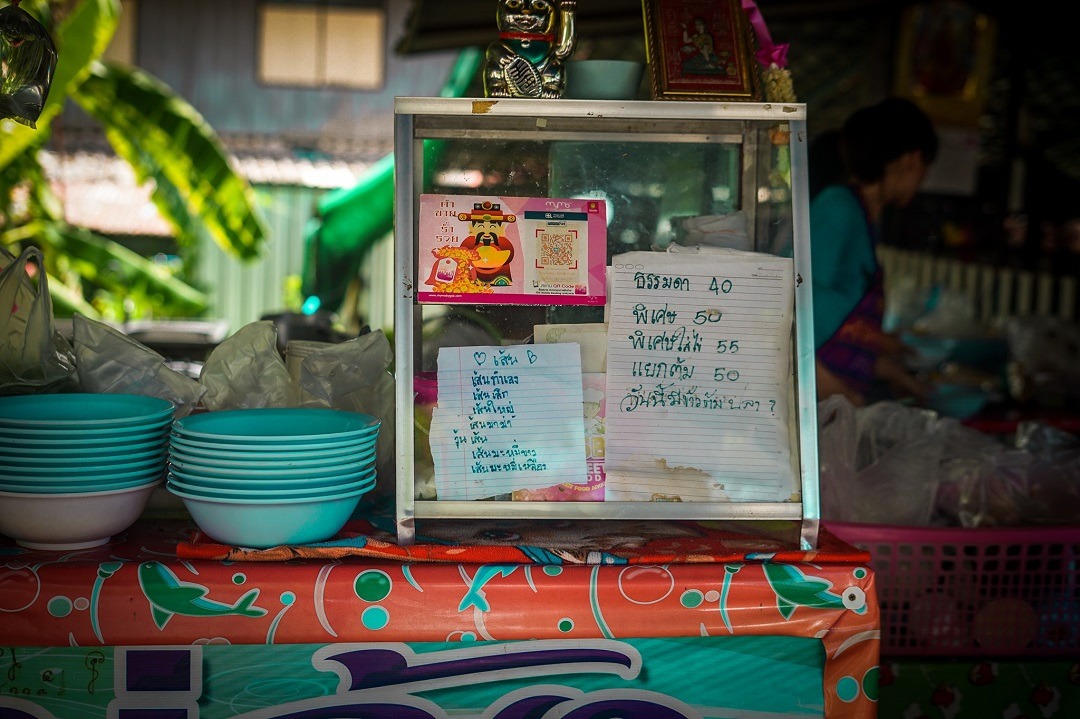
(974, 592)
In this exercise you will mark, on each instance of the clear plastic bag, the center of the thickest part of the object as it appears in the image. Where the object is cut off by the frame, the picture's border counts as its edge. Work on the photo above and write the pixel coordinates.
(357, 376)
(247, 371)
(110, 361)
(34, 357)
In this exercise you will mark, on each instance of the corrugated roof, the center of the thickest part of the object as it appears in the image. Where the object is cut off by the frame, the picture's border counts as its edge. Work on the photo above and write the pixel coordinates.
(99, 191)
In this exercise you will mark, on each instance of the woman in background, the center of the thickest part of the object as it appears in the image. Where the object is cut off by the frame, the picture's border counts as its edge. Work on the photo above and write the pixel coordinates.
(884, 151)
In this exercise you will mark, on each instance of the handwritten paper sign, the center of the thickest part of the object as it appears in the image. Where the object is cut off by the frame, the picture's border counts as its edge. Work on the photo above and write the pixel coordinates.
(699, 377)
(508, 418)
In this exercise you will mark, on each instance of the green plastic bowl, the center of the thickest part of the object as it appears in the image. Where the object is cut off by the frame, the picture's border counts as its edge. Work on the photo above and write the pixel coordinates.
(82, 411)
(262, 452)
(56, 461)
(263, 524)
(325, 450)
(329, 471)
(78, 474)
(67, 452)
(255, 481)
(82, 441)
(76, 435)
(957, 400)
(89, 486)
(299, 462)
(280, 427)
(261, 493)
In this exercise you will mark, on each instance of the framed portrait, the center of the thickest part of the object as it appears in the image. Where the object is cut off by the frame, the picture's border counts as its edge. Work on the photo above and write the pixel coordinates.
(700, 50)
(945, 56)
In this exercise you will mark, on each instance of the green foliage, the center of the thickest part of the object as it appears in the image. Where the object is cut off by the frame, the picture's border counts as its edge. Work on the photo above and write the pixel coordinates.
(166, 142)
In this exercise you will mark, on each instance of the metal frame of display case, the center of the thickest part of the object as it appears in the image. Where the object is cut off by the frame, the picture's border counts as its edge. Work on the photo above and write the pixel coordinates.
(420, 119)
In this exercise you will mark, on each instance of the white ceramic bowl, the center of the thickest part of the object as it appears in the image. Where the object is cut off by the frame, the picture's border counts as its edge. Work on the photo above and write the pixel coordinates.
(64, 522)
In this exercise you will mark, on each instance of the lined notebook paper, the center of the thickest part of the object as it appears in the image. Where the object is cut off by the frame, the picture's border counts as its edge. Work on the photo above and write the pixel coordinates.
(507, 418)
(698, 378)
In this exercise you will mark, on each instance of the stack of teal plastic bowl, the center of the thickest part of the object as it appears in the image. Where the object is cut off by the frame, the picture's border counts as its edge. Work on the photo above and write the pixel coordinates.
(261, 478)
(75, 469)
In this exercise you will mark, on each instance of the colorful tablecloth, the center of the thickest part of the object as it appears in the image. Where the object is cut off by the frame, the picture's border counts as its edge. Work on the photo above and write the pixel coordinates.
(161, 584)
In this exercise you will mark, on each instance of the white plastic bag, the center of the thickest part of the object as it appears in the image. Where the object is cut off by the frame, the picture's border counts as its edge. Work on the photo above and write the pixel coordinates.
(34, 357)
(109, 361)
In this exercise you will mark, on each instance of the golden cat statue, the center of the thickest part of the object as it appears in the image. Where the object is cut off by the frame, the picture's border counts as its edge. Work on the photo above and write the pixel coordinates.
(535, 38)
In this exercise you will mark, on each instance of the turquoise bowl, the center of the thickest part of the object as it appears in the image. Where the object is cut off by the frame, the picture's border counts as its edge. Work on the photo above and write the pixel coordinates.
(255, 481)
(91, 487)
(212, 450)
(81, 434)
(56, 461)
(212, 457)
(259, 492)
(76, 474)
(299, 462)
(957, 400)
(282, 427)
(260, 524)
(301, 474)
(82, 411)
(82, 441)
(67, 451)
(80, 474)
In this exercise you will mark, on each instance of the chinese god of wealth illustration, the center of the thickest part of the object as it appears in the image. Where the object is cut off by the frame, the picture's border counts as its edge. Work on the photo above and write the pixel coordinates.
(535, 38)
(487, 238)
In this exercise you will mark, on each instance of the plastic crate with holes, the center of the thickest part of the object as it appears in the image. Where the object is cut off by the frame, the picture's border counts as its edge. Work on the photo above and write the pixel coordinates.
(993, 592)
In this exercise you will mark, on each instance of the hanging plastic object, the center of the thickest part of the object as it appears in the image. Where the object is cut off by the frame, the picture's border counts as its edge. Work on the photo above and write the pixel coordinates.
(536, 37)
(27, 63)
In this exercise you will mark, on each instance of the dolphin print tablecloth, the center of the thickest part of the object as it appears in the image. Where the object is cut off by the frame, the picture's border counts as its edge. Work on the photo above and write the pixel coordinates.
(137, 592)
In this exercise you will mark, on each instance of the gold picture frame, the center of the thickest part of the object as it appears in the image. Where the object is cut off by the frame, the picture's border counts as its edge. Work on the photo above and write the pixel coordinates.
(700, 50)
(945, 57)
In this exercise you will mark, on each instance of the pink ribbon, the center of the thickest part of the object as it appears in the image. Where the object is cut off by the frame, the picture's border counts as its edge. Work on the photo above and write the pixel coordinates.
(768, 53)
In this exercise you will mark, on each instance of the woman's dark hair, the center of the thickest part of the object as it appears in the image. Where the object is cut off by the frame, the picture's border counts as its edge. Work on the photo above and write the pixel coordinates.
(874, 136)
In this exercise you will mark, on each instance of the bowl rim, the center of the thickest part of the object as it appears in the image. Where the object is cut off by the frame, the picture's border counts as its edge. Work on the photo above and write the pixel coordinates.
(70, 495)
(211, 464)
(69, 433)
(344, 444)
(81, 460)
(156, 407)
(79, 455)
(259, 494)
(80, 440)
(64, 490)
(287, 500)
(189, 426)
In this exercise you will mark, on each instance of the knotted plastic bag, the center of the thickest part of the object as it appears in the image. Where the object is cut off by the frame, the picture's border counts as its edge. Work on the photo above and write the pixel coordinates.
(109, 361)
(27, 62)
(34, 357)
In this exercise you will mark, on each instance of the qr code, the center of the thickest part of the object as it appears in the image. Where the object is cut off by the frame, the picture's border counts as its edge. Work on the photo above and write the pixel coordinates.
(556, 250)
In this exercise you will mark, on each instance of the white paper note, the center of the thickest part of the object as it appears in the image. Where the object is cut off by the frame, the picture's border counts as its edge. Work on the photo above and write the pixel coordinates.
(507, 418)
(699, 375)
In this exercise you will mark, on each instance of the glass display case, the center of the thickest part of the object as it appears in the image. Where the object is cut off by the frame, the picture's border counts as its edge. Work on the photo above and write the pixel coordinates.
(632, 177)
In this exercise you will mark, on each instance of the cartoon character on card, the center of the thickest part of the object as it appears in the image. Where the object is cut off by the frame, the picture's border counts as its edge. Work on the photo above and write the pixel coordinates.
(487, 237)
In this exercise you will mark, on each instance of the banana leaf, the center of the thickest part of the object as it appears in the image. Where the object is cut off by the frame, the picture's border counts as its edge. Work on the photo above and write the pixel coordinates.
(168, 142)
(111, 266)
